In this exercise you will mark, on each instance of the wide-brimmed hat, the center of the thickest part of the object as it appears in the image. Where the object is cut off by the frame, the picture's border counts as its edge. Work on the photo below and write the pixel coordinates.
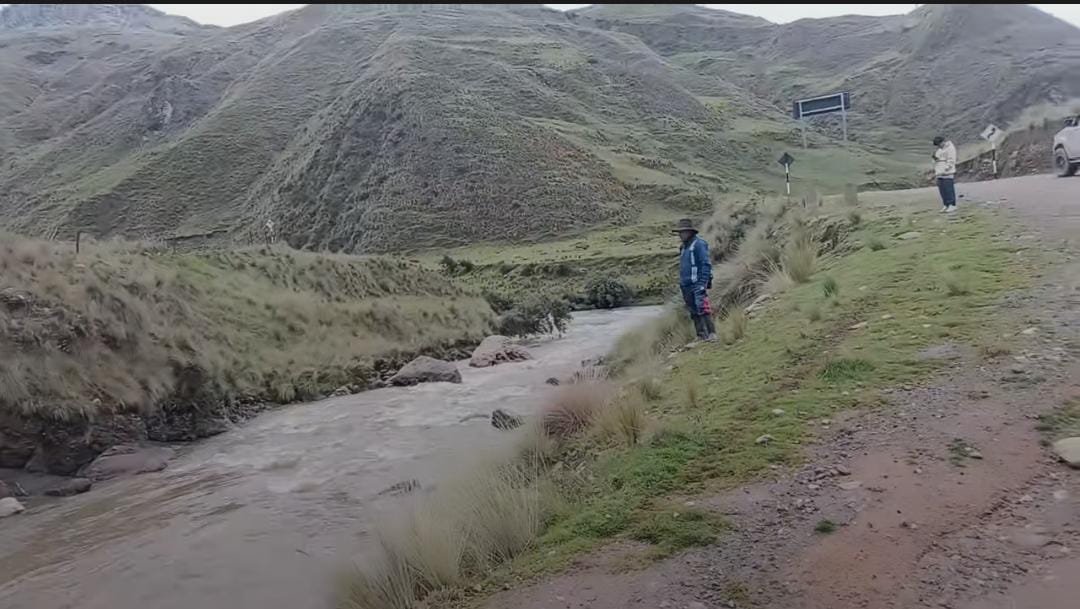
(684, 224)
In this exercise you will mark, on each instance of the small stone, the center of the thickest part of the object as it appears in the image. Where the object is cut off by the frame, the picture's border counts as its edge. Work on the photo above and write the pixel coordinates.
(850, 485)
(1031, 541)
(778, 411)
(1029, 331)
(1068, 450)
(887, 316)
(973, 453)
(764, 439)
(552, 381)
(696, 605)
(1026, 499)
(813, 487)
(918, 470)
(861, 324)
(1061, 495)
(10, 506)
(909, 235)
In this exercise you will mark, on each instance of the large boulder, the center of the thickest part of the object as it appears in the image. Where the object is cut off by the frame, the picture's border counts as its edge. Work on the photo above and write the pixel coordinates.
(426, 369)
(495, 350)
(500, 419)
(126, 460)
(1069, 451)
(4, 490)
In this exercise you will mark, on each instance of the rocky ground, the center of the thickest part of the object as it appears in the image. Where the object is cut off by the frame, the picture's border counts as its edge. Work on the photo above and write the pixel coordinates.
(945, 498)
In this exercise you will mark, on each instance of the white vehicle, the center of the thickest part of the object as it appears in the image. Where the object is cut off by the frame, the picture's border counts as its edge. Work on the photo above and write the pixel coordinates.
(1067, 148)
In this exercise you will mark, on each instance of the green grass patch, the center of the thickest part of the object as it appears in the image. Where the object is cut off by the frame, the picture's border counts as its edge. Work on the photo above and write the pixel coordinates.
(1063, 422)
(825, 526)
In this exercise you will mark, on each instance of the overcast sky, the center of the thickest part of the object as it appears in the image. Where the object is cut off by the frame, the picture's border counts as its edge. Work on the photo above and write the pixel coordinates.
(232, 14)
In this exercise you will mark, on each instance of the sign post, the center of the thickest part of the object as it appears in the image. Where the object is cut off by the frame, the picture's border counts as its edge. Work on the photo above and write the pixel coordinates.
(786, 160)
(992, 134)
(825, 104)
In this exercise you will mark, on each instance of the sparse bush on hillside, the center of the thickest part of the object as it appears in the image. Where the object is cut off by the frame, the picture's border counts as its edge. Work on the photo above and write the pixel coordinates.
(606, 293)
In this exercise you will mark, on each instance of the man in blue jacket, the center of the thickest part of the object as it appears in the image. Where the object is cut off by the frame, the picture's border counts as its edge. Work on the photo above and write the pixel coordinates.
(695, 277)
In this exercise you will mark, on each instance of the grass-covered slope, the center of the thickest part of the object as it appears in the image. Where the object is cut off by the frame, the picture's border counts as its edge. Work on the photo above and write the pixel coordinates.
(191, 338)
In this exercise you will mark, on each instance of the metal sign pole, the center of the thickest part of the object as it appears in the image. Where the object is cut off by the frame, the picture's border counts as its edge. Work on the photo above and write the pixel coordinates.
(787, 178)
(802, 123)
(843, 118)
(993, 157)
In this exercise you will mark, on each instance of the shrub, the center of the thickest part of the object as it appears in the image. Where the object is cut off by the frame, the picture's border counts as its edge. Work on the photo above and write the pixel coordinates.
(449, 264)
(854, 218)
(608, 293)
(830, 287)
(574, 408)
(500, 303)
(535, 314)
(957, 284)
(851, 194)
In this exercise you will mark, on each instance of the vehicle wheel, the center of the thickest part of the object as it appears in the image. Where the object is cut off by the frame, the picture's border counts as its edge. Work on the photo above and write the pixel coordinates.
(1062, 166)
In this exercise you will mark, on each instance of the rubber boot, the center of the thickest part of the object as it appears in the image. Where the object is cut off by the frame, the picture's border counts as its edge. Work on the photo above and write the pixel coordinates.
(699, 326)
(710, 327)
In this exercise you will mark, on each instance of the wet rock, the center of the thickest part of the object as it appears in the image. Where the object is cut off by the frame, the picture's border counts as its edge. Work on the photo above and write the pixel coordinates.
(10, 506)
(495, 350)
(127, 460)
(778, 412)
(67, 488)
(842, 470)
(909, 235)
(1068, 450)
(402, 488)
(554, 382)
(1029, 331)
(1031, 541)
(341, 391)
(4, 490)
(426, 369)
(500, 419)
(764, 439)
(850, 485)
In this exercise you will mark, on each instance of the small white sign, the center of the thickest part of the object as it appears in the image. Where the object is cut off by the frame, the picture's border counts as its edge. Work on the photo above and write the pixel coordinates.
(991, 133)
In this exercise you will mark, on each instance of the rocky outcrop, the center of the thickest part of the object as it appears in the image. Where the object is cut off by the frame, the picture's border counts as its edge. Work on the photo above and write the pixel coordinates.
(495, 350)
(426, 369)
(127, 460)
(18, 440)
(4, 490)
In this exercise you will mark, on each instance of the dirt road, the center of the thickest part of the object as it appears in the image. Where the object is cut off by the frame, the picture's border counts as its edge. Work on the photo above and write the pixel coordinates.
(944, 499)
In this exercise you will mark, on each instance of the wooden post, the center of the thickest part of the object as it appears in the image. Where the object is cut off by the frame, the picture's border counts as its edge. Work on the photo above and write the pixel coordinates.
(78, 238)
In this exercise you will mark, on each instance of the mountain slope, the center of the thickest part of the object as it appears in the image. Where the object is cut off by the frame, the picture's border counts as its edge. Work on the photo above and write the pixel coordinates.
(950, 68)
(364, 128)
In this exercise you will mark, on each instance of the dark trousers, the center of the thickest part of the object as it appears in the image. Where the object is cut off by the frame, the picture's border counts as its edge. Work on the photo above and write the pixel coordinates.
(947, 188)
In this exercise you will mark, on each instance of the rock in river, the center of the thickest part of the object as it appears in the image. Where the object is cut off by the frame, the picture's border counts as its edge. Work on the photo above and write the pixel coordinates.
(69, 487)
(496, 350)
(10, 506)
(1069, 451)
(500, 419)
(125, 459)
(426, 369)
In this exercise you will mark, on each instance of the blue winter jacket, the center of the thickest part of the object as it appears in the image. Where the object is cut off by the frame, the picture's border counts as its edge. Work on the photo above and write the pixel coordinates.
(695, 268)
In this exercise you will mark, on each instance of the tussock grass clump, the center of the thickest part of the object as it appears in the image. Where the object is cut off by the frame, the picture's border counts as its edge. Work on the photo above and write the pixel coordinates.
(830, 287)
(735, 324)
(574, 407)
(957, 283)
(623, 419)
(846, 369)
(799, 259)
(874, 243)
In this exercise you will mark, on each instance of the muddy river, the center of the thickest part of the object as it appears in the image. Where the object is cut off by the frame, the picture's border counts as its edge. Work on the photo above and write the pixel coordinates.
(263, 516)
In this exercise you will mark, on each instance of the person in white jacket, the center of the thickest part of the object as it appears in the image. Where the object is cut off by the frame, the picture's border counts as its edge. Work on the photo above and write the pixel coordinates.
(945, 172)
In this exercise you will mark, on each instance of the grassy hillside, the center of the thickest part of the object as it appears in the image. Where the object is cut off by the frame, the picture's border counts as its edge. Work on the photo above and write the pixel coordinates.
(372, 128)
(191, 338)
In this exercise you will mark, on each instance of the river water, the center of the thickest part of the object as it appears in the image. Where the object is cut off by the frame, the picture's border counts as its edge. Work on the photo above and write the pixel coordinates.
(263, 516)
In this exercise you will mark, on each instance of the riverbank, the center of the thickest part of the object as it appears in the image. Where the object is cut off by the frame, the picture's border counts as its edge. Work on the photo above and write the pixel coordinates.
(124, 343)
